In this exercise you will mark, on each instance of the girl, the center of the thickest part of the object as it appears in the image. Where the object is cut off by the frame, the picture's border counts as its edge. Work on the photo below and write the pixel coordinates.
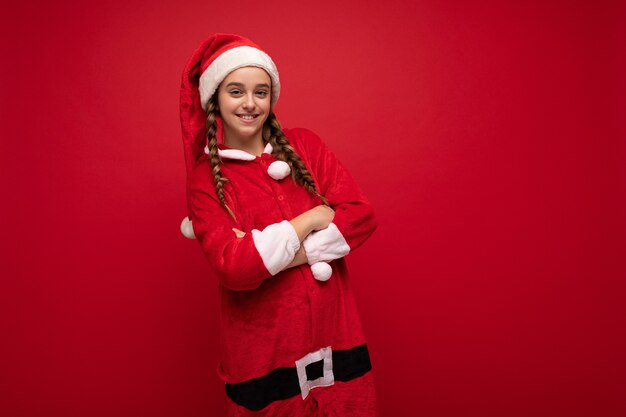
(265, 204)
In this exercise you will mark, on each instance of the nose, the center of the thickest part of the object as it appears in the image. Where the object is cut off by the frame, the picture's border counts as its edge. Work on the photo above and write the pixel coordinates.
(248, 101)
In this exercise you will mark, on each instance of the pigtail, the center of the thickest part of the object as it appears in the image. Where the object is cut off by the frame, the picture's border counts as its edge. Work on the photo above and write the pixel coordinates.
(214, 158)
(283, 150)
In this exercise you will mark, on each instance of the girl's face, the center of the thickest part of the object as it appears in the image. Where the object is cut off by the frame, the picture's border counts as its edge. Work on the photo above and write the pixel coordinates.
(244, 103)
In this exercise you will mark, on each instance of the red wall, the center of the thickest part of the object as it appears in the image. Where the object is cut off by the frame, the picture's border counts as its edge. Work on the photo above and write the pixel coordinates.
(486, 134)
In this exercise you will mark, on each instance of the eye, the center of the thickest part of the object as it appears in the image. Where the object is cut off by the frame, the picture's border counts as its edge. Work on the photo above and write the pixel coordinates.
(262, 93)
(235, 91)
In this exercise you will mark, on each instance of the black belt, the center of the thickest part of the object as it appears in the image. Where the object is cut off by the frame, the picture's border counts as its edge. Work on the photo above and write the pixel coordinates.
(283, 383)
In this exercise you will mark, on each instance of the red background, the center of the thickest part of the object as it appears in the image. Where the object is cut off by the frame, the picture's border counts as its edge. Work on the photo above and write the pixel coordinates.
(487, 136)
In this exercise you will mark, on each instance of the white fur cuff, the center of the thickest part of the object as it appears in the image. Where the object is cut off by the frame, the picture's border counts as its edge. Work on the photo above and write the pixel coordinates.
(325, 245)
(277, 244)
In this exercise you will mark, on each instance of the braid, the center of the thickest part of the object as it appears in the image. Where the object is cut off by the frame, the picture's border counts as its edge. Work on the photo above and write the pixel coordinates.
(213, 155)
(282, 149)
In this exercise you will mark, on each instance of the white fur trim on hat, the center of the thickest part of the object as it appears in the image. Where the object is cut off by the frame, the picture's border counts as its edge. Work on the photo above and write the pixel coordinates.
(186, 228)
(278, 170)
(232, 59)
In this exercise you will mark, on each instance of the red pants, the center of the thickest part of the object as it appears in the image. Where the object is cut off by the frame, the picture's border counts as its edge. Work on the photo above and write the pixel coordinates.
(355, 398)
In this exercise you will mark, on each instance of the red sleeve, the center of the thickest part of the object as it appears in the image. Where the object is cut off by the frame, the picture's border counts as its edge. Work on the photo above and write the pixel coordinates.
(239, 263)
(354, 215)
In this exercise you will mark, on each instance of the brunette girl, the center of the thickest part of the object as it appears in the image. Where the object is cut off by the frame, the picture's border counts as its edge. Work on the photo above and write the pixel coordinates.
(275, 213)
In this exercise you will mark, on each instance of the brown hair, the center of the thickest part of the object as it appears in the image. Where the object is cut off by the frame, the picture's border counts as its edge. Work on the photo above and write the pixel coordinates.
(281, 148)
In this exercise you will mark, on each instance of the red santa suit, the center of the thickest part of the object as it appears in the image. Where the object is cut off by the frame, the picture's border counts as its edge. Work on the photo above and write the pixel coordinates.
(291, 345)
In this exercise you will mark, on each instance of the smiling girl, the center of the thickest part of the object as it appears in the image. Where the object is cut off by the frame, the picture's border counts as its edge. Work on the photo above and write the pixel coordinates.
(266, 204)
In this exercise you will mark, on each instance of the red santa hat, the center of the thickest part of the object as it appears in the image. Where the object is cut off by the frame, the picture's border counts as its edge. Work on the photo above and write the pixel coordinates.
(216, 57)
(224, 54)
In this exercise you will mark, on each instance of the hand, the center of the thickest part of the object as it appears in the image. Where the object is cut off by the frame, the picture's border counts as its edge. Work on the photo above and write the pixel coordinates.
(323, 215)
(239, 233)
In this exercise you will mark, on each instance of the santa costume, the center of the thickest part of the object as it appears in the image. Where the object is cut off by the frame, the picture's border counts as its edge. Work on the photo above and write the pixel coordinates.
(291, 338)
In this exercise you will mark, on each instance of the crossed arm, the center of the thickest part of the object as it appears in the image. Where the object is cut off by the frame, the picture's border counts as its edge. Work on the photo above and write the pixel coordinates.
(317, 218)
(244, 261)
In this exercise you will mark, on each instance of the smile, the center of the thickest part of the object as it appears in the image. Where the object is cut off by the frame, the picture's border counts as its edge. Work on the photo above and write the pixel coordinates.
(248, 116)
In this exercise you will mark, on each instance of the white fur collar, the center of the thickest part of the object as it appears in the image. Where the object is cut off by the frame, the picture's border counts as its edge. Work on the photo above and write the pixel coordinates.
(238, 153)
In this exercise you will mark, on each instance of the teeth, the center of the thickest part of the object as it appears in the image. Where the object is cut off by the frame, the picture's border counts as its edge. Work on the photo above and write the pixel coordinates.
(247, 117)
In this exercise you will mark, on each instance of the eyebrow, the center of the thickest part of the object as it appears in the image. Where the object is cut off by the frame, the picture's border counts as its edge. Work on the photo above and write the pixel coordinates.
(241, 85)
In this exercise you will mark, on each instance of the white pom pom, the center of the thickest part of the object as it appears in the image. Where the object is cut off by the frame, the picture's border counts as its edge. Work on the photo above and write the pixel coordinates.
(321, 271)
(186, 228)
(279, 170)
